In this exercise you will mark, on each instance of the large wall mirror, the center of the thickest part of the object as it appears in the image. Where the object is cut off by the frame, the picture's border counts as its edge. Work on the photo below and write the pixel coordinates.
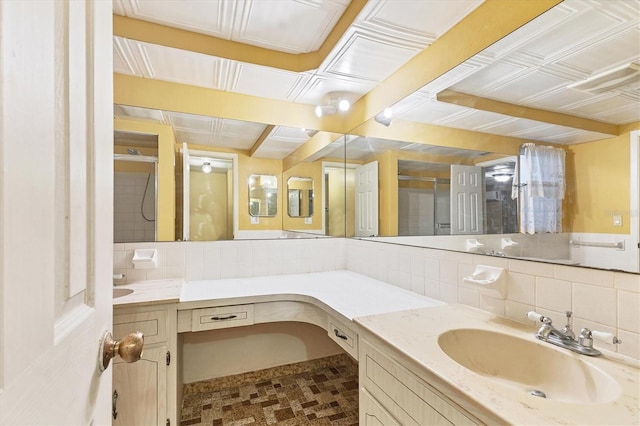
(477, 121)
(224, 179)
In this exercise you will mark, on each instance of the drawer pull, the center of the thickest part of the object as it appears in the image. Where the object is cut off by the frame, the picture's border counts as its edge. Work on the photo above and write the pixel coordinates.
(339, 334)
(228, 317)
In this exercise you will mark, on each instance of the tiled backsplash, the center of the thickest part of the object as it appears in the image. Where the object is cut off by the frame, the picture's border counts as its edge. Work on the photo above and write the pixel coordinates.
(602, 300)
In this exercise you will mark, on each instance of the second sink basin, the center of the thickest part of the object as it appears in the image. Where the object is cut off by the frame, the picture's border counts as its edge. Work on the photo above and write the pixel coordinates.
(119, 292)
(529, 366)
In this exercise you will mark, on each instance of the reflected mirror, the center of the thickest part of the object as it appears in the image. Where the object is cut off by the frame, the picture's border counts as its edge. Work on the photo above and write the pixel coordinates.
(300, 196)
(263, 195)
(134, 185)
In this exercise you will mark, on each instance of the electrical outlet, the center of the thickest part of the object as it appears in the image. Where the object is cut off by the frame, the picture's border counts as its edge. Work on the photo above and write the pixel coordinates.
(307, 221)
(255, 220)
(617, 220)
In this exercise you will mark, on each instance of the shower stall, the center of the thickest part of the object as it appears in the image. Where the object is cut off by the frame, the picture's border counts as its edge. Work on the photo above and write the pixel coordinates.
(135, 195)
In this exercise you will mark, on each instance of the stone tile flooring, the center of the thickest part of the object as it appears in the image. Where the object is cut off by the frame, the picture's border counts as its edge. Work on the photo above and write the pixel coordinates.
(317, 392)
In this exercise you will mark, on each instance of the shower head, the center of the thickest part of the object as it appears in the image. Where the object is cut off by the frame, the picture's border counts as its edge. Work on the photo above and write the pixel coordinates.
(133, 151)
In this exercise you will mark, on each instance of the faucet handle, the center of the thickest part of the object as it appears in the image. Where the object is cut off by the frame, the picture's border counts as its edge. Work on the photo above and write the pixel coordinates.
(534, 316)
(605, 337)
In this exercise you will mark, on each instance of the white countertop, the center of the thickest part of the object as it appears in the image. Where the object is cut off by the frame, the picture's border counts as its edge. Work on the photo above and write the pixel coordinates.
(346, 292)
(150, 292)
(415, 334)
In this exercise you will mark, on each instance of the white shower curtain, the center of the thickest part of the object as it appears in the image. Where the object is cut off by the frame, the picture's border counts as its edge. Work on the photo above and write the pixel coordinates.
(542, 187)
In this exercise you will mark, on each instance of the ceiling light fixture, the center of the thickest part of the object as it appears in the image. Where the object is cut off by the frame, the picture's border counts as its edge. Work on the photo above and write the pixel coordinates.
(334, 102)
(384, 117)
(206, 167)
(615, 78)
(502, 177)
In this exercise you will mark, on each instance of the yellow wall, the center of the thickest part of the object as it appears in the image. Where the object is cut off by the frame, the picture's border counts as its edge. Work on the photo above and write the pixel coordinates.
(598, 185)
(165, 219)
(314, 171)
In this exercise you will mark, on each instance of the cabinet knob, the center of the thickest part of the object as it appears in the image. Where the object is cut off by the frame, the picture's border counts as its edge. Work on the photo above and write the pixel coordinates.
(128, 348)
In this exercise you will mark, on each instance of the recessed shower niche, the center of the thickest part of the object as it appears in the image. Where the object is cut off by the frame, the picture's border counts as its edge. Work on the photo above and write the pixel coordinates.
(135, 187)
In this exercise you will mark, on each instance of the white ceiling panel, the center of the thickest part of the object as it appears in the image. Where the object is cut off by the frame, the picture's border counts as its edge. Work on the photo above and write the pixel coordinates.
(125, 111)
(265, 82)
(124, 61)
(192, 137)
(368, 56)
(421, 21)
(181, 66)
(318, 85)
(430, 111)
(289, 134)
(295, 26)
(494, 75)
(193, 122)
(212, 17)
(525, 85)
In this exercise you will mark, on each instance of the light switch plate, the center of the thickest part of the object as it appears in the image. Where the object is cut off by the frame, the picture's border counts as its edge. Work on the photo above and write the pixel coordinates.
(255, 220)
(617, 220)
(307, 221)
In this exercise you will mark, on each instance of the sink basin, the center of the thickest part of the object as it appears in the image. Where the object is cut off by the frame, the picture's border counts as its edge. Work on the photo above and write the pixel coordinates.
(119, 292)
(529, 366)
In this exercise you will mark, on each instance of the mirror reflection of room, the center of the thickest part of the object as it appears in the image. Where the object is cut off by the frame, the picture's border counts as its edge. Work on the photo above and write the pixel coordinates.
(263, 195)
(300, 196)
(135, 200)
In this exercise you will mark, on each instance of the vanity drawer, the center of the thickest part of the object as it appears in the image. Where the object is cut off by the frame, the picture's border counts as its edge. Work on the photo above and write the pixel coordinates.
(152, 324)
(405, 396)
(221, 317)
(344, 336)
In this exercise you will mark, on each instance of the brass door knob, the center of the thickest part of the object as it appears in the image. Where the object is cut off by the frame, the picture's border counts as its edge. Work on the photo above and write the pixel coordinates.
(129, 348)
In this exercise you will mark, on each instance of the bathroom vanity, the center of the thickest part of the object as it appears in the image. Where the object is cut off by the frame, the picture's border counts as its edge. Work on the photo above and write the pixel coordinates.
(420, 361)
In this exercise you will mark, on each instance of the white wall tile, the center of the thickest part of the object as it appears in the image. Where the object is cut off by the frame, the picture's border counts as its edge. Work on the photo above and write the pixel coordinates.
(448, 293)
(532, 268)
(492, 304)
(630, 345)
(595, 304)
(518, 311)
(468, 296)
(628, 282)
(584, 275)
(553, 294)
(629, 311)
(449, 272)
(521, 288)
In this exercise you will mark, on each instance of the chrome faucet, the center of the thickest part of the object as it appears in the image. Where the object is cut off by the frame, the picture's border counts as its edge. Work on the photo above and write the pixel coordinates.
(566, 338)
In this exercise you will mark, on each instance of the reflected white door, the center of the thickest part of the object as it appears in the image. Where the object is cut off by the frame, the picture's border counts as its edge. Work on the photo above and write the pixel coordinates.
(467, 212)
(56, 210)
(367, 200)
(186, 190)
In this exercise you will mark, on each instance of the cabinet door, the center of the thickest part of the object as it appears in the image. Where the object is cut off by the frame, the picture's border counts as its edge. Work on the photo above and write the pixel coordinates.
(139, 389)
(372, 413)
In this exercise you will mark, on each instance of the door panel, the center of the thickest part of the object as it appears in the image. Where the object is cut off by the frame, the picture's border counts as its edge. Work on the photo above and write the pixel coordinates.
(367, 200)
(467, 211)
(56, 210)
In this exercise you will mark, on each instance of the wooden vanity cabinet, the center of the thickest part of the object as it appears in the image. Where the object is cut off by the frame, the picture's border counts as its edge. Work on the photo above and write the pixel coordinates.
(391, 394)
(144, 392)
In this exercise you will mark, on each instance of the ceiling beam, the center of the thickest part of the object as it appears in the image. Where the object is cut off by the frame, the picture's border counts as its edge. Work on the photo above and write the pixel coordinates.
(169, 96)
(149, 32)
(512, 110)
(263, 137)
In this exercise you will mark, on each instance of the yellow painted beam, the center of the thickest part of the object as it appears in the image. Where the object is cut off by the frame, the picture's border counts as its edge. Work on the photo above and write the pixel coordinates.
(149, 32)
(263, 136)
(313, 145)
(430, 134)
(520, 111)
(488, 23)
(166, 95)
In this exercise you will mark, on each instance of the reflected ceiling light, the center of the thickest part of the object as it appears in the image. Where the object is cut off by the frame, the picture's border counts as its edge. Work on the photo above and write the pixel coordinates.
(206, 167)
(384, 117)
(619, 77)
(502, 177)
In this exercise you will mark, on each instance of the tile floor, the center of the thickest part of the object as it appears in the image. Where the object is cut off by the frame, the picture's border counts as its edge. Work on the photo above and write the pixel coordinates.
(317, 392)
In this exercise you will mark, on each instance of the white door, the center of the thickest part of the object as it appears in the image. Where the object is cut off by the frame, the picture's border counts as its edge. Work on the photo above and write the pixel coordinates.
(186, 192)
(56, 214)
(367, 200)
(467, 212)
